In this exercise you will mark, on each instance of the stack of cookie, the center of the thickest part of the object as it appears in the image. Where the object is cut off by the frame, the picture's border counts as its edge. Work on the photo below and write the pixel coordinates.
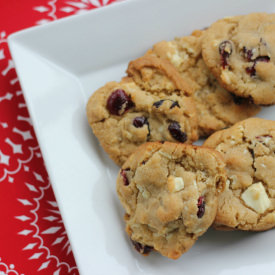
(181, 90)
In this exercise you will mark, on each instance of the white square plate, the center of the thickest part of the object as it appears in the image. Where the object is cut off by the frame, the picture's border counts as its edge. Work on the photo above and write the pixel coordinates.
(59, 65)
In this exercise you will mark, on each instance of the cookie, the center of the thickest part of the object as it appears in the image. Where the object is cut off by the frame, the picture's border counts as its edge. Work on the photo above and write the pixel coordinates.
(169, 193)
(240, 52)
(248, 148)
(123, 116)
(216, 107)
(156, 75)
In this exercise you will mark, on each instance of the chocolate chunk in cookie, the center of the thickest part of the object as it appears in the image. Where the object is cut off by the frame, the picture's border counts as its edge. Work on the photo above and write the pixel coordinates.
(248, 202)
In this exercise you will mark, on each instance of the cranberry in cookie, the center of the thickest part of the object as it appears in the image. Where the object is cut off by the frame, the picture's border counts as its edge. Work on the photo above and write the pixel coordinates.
(124, 116)
(240, 52)
(216, 107)
(170, 195)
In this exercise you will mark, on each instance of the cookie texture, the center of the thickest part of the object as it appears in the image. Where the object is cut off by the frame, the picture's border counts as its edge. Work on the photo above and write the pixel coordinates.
(248, 148)
(169, 193)
(156, 75)
(123, 116)
(240, 52)
(216, 107)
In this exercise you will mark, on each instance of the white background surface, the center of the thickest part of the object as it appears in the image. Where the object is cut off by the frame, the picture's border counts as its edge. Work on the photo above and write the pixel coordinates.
(59, 66)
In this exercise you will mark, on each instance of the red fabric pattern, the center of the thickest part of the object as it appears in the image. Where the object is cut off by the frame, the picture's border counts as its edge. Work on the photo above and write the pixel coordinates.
(33, 239)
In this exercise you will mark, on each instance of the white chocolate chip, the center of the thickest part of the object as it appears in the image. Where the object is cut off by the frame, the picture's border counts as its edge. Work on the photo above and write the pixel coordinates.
(266, 139)
(175, 184)
(190, 50)
(234, 182)
(240, 127)
(226, 77)
(255, 197)
(161, 128)
(175, 59)
(215, 43)
(227, 184)
(219, 147)
(145, 193)
(179, 184)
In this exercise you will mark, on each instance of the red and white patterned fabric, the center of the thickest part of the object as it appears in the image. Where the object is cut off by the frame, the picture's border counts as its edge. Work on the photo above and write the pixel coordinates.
(33, 239)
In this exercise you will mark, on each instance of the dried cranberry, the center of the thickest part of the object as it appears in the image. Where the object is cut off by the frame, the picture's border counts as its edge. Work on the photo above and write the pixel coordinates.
(124, 176)
(238, 100)
(174, 104)
(262, 59)
(250, 99)
(248, 54)
(176, 133)
(225, 50)
(119, 102)
(158, 103)
(141, 248)
(251, 70)
(201, 207)
(139, 121)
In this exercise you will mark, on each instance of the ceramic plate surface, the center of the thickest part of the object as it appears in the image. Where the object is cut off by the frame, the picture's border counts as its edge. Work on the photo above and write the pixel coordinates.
(60, 65)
